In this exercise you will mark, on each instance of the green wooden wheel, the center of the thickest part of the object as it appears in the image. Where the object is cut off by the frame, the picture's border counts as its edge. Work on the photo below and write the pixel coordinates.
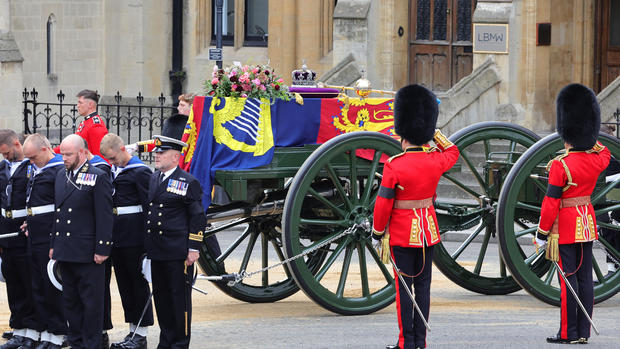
(250, 249)
(522, 197)
(333, 190)
(467, 202)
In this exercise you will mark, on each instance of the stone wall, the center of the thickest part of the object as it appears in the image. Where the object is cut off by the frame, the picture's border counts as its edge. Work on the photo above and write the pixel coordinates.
(475, 99)
(609, 100)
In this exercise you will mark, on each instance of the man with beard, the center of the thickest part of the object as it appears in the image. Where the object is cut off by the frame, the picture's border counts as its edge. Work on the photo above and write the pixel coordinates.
(15, 259)
(81, 241)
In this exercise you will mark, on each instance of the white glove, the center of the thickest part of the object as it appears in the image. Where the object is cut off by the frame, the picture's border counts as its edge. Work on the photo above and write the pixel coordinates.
(541, 243)
(131, 148)
(376, 244)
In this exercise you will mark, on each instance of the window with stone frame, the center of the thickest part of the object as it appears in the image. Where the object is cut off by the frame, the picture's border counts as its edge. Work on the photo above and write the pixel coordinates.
(256, 20)
(228, 22)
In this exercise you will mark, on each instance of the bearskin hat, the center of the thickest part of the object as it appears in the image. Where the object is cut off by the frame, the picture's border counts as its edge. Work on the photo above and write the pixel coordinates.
(578, 116)
(174, 126)
(415, 114)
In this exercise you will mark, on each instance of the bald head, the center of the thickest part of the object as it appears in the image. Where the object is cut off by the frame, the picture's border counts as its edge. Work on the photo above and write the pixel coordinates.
(73, 151)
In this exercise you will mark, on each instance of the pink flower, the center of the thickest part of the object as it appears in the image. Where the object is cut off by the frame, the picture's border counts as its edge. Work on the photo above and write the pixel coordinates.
(232, 73)
(262, 87)
(255, 70)
(247, 87)
(245, 78)
(244, 95)
(233, 87)
(215, 81)
(256, 81)
(280, 80)
(245, 68)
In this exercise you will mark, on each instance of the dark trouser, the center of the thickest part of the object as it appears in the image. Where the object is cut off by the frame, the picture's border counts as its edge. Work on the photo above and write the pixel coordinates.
(413, 262)
(47, 299)
(16, 271)
(576, 262)
(173, 303)
(107, 298)
(132, 286)
(82, 293)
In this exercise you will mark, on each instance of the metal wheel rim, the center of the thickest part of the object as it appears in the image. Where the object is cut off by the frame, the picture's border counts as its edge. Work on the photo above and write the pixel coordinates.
(536, 283)
(337, 301)
(501, 282)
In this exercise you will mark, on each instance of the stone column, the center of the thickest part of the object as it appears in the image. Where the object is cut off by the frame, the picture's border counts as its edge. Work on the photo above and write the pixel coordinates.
(11, 74)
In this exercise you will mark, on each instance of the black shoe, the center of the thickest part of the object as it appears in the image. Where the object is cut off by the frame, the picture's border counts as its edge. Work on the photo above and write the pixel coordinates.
(15, 342)
(559, 340)
(43, 345)
(392, 347)
(105, 341)
(7, 335)
(118, 345)
(138, 342)
(581, 340)
(28, 344)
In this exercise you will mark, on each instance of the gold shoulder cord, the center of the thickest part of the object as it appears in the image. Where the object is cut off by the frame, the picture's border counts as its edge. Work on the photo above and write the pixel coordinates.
(560, 158)
(395, 156)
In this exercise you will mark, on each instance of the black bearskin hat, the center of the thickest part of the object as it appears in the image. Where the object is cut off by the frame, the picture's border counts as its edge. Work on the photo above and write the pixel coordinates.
(578, 116)
(415, 114)
(174, 126)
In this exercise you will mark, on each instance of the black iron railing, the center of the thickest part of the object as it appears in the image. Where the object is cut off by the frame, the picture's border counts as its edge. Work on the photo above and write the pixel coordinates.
(615, 122)
(132, 121)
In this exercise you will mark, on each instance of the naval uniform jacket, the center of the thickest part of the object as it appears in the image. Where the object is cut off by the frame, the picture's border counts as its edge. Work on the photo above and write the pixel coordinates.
(101, 164)
(41, 195)
(14, 198)
(83, 225)
(4, 179)
(412, 175)
(573, 174)
(131, 189)
(175, 217)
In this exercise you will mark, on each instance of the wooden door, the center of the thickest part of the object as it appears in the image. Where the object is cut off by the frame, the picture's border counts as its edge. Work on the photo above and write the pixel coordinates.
(440, 48)
(608, 60)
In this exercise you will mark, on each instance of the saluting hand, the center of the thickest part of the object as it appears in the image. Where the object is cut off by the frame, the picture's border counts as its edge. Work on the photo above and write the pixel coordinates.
(100, 259)
(192, 256)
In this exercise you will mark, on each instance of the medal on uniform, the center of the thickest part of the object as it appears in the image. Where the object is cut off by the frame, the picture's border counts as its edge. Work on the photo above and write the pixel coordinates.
(177, 187)
(29, 172)
(86, 179)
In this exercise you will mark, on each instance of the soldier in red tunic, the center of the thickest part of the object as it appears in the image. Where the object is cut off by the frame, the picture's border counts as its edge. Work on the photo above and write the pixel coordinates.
(405, 205)
(92, 128)
(567, 219)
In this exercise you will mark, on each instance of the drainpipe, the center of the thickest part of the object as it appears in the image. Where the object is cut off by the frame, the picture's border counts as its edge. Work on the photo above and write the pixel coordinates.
(177, 74)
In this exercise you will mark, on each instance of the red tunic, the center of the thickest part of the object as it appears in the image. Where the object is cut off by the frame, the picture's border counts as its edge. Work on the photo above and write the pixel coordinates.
(412, 175)
(92, 129)
(573, 174)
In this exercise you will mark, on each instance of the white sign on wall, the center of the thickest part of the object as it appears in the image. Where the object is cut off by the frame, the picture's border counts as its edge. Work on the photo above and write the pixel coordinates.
(490, 38)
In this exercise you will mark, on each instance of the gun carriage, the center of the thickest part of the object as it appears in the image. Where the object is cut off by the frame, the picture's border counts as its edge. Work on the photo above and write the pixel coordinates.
(317, 201)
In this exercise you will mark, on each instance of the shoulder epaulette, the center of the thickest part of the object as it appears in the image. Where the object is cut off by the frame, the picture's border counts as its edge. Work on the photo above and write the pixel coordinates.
(559, 158)
(395, 156)
(598, 147)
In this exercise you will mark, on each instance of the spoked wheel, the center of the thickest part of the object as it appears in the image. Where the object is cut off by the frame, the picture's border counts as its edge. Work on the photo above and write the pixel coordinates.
(522, 197)
(466, 206)
(333, 190)
(249, 245)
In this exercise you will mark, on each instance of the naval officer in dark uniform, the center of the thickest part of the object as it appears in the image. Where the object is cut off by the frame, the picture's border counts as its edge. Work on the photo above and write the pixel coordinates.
(131, 179)
(47, 299)
(175, 224)
(81, 241)
(14, 254)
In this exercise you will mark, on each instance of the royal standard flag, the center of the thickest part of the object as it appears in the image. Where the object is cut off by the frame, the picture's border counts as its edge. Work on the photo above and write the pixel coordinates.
(239, 133)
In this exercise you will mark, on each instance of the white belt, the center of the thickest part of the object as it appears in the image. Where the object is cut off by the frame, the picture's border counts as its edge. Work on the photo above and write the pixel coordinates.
(14, 213)
(121, 210)
(33, 211)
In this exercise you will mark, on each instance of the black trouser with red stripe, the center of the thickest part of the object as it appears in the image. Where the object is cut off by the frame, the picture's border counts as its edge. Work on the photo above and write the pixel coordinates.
(576, 262)
(413, 262)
